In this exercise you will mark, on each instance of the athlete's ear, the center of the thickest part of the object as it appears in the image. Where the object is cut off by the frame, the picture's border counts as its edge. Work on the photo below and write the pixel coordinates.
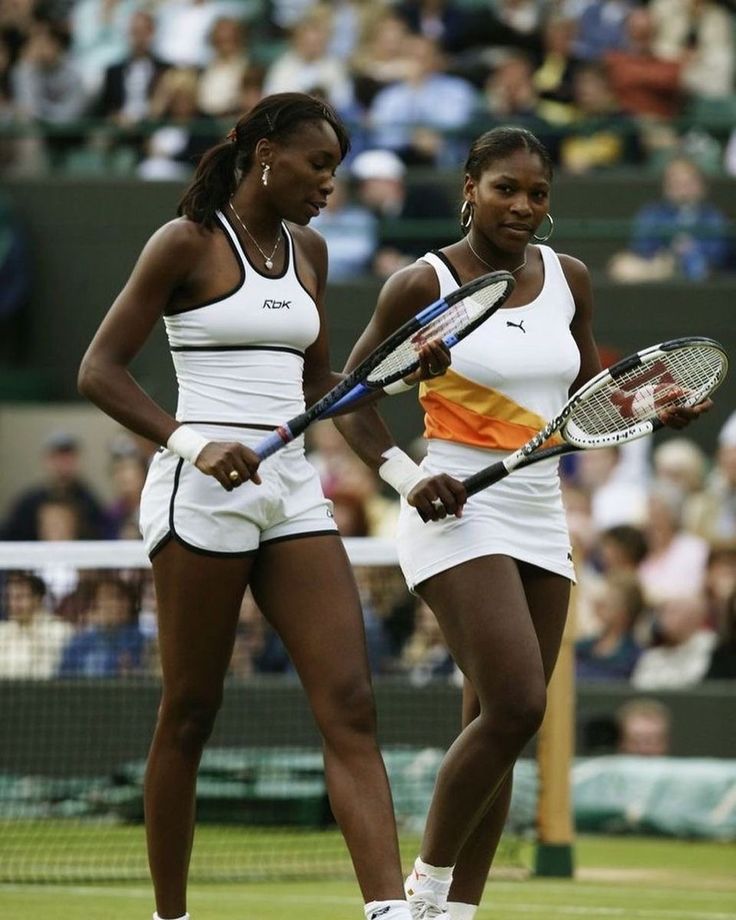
(263, 152)
(469, 187)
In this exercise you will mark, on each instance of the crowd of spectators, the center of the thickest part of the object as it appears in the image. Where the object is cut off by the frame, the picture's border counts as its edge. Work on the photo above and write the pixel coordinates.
(654, 538)
(90, 84)
(143, 87)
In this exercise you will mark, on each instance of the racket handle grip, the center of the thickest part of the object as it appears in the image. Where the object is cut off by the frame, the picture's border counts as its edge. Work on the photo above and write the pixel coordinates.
(273, 442)
(485, 477)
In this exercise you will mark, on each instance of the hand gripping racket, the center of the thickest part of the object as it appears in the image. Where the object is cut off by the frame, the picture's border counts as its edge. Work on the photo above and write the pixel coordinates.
(621, 403)
(450, 319)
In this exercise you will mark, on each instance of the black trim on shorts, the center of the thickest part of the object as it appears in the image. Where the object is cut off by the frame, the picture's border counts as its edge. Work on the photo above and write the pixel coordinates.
(253, 425)
(190, 546)
(238, 286)
(450, 267)
(298, 536)
(289, 351)
(242, 554)
(160, 545)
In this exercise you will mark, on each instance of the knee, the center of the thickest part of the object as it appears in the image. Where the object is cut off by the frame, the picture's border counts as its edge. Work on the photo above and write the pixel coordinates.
(189, 720)
(347, 710)
(521, 714)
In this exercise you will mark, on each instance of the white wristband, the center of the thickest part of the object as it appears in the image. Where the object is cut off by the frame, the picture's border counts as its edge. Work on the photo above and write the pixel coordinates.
(400, 471)
(186, 443)
(398, 386)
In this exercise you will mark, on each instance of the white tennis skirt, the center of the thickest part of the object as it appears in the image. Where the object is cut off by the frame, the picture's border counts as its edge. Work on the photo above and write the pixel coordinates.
(180, 502)
(521, 516)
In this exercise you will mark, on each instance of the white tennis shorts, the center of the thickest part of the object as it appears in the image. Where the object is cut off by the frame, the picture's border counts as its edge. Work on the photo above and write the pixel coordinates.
(180, 502)
(521, 516)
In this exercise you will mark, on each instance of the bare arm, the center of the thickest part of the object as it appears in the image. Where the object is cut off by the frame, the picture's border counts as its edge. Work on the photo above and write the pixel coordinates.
(104, 378)
(402, 296)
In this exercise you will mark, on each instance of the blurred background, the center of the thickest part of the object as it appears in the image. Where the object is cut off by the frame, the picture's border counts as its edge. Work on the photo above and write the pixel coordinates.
(105, 106)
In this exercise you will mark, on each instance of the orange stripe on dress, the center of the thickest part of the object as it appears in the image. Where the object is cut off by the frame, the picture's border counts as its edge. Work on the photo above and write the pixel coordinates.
(459, 410)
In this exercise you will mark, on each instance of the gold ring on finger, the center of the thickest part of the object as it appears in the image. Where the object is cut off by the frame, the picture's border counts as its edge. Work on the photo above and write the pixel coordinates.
(234, 475)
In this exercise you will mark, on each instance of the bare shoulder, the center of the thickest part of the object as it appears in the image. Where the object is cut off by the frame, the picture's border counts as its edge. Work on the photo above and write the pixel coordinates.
(578, 277)
(416, 285)
(182, 237)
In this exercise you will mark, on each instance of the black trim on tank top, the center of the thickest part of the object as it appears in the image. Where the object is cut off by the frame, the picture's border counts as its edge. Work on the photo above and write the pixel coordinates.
(238, 286)
(450, 267)
(244, 252)
(302, 285)
(288, 351)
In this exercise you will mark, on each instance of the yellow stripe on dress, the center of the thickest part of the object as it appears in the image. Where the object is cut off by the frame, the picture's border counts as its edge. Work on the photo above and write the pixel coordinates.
(457, 409)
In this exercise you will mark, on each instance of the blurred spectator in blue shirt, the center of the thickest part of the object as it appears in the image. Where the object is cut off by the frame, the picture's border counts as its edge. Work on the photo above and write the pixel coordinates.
(111, 644)
(681, 235)
(351, 232)
(416, 117)
(613, 651)
(601, 28)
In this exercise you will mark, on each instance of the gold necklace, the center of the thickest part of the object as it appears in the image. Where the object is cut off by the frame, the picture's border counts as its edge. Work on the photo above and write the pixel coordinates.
(267, 260)
(513, 270)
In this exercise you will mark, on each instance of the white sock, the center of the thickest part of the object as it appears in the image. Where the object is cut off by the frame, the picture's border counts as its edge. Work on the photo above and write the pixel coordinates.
(431, 880)
(459, 911)
(387, 910)
(156, 917)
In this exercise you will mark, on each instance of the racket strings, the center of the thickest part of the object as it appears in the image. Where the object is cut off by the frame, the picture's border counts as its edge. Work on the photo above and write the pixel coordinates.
(677, 378)
(452, 322)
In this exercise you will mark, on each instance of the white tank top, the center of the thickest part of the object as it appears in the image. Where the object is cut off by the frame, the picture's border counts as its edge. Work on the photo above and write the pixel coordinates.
(240, 358)
(512, 374)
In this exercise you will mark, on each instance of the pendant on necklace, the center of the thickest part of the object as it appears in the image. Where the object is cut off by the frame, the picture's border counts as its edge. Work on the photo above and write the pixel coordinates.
(269, 264)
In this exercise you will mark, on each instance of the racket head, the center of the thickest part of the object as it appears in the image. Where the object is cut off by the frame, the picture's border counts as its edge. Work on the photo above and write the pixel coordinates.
(450, 319)
(624, 402)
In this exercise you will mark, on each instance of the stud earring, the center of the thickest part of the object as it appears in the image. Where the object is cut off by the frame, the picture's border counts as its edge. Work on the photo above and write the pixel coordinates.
(264, 174)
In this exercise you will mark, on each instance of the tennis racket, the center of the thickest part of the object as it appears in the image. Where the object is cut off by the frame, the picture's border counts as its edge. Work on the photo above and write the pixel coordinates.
(450, 319)
(621, 403)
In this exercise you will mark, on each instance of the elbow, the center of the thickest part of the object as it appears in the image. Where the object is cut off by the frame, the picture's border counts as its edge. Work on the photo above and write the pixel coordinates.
(88, 378)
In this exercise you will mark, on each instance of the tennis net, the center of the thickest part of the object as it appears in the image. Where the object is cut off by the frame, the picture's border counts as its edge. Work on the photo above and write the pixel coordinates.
(76, 721)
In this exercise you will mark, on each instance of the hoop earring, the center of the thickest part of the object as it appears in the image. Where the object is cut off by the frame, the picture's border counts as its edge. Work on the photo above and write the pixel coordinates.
(543, 239)
(466, 216)
(264, 174)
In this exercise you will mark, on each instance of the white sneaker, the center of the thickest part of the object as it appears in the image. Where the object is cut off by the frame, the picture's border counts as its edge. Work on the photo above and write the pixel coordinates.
(427, 897)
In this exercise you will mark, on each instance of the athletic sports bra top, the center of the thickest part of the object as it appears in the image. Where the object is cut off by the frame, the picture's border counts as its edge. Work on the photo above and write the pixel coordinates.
(240, 358)
(512, 374)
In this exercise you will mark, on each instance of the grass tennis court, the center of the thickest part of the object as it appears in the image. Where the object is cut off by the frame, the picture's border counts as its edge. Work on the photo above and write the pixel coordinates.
(629, 878)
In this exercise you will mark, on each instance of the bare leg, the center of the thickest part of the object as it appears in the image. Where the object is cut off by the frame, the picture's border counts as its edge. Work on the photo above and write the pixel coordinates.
(483, 610)
(547, 596)
(198, 599)
(320, 622)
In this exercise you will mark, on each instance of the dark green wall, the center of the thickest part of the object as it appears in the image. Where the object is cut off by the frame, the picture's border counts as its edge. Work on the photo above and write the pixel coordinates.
(86, 236)
(90, 727)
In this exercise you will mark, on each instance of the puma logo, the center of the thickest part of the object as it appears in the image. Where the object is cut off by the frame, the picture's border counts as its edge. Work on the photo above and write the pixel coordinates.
(519, 325)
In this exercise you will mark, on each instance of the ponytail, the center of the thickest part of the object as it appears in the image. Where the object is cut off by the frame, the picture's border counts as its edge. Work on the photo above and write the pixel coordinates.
(213, 185)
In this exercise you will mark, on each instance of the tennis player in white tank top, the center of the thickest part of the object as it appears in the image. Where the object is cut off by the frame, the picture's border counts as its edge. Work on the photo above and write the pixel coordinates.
(496, 571)
(240, 281)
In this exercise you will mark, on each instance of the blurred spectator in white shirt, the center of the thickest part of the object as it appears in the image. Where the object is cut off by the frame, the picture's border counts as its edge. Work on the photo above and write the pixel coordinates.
(713, 512)
(220, 81)
(184, 27)
(99, 29)
(683, 654)
(675, 562)
(31, 638)
(307, 66)
(616, 497)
